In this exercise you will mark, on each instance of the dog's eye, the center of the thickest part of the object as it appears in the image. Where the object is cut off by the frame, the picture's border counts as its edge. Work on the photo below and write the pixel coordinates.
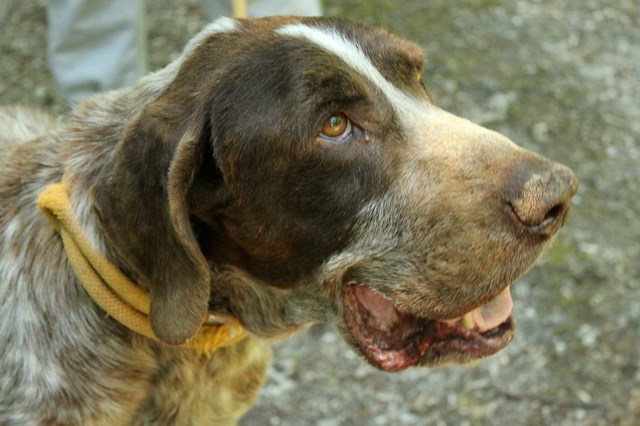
(336, 128)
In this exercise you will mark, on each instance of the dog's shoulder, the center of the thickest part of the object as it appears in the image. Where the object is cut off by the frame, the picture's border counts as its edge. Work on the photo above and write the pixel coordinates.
(18, 124)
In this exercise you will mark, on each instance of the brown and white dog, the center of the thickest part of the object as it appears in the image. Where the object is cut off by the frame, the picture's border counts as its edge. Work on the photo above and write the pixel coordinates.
(284, 171)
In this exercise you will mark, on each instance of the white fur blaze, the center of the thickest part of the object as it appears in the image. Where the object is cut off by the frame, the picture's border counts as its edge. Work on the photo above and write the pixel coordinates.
(350, 52)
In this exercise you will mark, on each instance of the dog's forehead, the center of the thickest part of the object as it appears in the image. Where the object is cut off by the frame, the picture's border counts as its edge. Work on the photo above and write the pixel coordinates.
(339, 36)
(391, 64)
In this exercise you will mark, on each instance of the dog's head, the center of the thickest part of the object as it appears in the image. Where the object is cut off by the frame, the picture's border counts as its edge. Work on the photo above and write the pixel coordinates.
(292, 171)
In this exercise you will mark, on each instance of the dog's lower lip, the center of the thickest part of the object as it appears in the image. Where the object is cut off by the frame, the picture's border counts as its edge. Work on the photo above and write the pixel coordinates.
(393, 340)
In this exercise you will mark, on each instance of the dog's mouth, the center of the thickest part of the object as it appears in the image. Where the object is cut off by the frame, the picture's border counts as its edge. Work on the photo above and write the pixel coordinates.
(393, 340)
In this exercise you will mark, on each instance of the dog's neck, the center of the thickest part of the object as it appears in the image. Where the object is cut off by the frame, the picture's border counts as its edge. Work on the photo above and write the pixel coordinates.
(113, 291)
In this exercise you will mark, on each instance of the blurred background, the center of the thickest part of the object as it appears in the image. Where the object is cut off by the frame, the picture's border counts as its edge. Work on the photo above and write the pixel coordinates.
(560, 77)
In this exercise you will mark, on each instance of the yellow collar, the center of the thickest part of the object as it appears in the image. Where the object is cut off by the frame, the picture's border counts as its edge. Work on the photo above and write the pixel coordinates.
(110, 288)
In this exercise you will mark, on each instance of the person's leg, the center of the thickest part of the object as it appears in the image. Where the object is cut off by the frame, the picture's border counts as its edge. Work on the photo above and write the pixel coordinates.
(95, 46)
(259, 8)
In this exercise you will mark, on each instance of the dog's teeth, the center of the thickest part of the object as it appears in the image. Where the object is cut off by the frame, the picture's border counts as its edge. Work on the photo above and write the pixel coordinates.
(468, 322)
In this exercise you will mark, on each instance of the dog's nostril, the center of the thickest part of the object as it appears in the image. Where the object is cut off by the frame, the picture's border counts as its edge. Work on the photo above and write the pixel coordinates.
(542, 222)
(543, 197)
(555, 212)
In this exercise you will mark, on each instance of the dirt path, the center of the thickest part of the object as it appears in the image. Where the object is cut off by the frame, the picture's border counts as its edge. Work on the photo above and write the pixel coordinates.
(561, 77)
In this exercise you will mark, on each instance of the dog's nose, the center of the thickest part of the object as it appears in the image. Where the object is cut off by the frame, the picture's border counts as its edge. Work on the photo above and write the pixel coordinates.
(540, 196)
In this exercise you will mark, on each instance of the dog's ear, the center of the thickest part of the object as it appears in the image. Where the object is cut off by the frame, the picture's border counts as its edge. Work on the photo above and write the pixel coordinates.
(142, 201)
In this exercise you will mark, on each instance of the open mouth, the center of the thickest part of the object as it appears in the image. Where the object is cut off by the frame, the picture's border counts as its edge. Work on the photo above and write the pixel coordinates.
(393, 340)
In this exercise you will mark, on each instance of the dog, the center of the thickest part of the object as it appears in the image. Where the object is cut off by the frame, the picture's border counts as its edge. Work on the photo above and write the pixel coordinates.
(281, 172)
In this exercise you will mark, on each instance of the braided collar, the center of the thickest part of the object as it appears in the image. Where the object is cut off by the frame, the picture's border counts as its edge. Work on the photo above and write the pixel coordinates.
(110, 289)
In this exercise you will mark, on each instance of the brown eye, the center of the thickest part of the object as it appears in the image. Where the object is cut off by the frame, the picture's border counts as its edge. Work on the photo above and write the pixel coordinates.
(336, 127)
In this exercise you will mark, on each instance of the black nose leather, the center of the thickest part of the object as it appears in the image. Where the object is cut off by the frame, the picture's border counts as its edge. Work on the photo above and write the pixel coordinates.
(540, 194)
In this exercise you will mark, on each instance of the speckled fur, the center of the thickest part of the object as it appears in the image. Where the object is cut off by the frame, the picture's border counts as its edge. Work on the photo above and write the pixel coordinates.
(209, 185)
(62, 361)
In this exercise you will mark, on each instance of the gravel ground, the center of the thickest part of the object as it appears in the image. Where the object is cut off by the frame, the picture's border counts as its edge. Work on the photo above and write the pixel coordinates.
(560, 77)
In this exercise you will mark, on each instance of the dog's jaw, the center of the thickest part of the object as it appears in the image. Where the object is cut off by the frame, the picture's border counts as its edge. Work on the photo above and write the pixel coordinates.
(393, 340)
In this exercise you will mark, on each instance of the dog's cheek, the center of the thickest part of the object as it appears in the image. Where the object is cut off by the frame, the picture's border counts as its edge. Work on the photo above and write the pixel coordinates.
(325, 202)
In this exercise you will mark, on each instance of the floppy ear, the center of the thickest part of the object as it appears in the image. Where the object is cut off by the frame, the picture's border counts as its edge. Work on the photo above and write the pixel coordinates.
(141, 199)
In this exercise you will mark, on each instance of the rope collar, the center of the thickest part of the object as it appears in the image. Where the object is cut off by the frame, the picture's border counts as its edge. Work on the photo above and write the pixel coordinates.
(110, 288)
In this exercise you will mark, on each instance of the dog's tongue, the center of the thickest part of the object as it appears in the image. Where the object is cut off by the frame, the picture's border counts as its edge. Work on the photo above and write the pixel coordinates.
(491, 314)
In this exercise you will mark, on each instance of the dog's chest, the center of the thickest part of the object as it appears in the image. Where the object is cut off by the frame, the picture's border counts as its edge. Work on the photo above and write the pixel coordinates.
(191, 389)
